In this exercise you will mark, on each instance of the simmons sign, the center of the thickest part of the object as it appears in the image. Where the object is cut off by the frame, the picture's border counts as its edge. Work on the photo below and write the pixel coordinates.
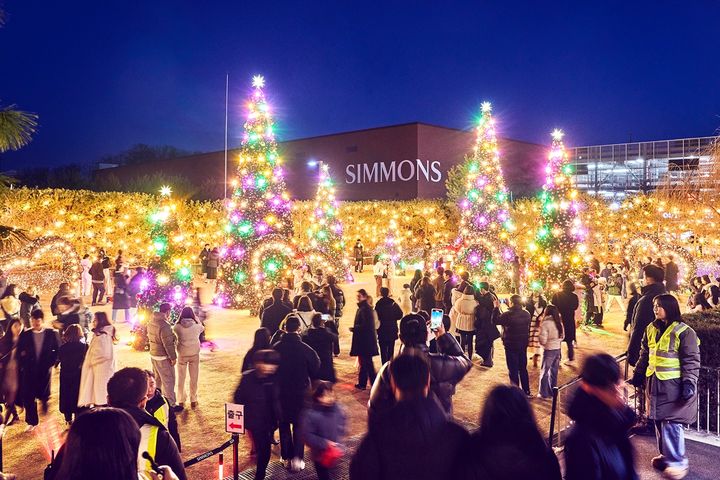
(403, 171)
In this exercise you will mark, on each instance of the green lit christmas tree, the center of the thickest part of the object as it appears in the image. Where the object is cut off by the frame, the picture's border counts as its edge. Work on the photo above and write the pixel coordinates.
(483, 243)
(258, 254)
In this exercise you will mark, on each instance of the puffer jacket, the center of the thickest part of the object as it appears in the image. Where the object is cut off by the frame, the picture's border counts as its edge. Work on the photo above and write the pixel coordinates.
(462, 313)
(163, 342)
(188, 332)
(322, 424)
(516, 328)
(447, 368)
(549, 337)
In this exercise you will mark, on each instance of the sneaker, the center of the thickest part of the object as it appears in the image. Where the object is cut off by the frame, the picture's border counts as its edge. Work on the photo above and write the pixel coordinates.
(658, 463)
(178, 408)
(359, 387)
(30, 428)
(299, 464)
(675, 473)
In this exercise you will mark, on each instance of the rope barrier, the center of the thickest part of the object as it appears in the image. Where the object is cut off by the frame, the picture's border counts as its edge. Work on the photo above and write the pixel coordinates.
(210, 453)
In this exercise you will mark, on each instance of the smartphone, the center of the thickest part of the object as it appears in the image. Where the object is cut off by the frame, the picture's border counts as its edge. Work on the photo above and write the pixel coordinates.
(436, 317)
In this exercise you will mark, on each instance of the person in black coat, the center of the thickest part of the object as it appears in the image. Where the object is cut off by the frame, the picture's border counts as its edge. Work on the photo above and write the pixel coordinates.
(414, 440)
(37, 353)
(425, 295)
(598, 447)
(298, 364)
(508, 444)
(485, 330)
(364, 340)
(261, 342)
(72, 355)
(448, 287)
(322, 340)
(258, 392)
(516, 336)
(643, 313)
(632, 301)
(63, 291)
(389, 314)
(29, 301)
(567, 302)
(275, 313)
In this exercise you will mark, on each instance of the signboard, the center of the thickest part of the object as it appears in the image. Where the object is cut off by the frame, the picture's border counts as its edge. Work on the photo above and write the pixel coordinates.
(234, 418)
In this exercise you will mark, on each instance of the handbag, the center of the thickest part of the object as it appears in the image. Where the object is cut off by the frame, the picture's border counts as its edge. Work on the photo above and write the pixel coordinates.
(330, 457)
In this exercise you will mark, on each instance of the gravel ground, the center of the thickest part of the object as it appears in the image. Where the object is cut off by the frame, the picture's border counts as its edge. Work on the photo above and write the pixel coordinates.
(26, 454)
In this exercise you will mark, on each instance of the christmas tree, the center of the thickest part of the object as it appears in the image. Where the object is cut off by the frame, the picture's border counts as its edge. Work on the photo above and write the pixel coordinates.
(392, 248)
(557, 247)
(325, 243)
(169, 275)
(485, 212)
(257, 255)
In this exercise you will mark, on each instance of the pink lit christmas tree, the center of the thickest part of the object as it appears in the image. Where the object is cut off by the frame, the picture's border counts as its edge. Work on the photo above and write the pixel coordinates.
(485, 211)
(258, 254)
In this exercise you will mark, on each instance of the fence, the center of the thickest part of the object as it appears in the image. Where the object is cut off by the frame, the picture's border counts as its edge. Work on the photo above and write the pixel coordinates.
(708, 421)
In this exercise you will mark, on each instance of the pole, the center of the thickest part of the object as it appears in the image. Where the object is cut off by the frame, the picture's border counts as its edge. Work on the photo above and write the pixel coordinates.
(236, 474)
(221, 474)
(227, 81)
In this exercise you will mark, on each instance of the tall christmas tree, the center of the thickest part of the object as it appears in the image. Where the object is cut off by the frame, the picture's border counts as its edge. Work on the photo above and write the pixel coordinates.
(485, 211)
(392, 247)
(325, 249)
(169, 275)
(258, 254)
(557, 247)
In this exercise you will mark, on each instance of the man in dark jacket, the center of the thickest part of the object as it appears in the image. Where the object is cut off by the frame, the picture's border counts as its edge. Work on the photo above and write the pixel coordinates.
(485, 330)
(37, 353)
(127, 389)
(598, 447)
(275, 313)
(447, 367)
(414, 440)
(258, 392)
(567, 302)
(298, 364)
(643, 314)
(97, 276)
(306, 290)
(322, 340)
(389, 314)
(447, 290)
(364, 340)
(516, 336)
(671, 275)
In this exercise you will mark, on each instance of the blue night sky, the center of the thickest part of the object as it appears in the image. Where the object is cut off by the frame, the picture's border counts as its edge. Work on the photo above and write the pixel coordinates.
(104, 75)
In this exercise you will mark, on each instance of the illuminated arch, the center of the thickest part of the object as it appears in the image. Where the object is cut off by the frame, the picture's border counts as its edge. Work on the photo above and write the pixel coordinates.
(43, 263)
(650, 245)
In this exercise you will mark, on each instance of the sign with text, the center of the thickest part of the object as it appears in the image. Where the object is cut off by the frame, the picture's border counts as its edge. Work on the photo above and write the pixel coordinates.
(234, 418)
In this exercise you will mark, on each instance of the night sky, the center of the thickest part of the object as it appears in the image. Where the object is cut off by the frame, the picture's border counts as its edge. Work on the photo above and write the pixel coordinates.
(104, 75)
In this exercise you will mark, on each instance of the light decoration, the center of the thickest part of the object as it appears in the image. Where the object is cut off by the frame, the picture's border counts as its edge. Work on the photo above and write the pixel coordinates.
(557, 248)
(169, 276)
(392, 247)
(258, 212)
(43, 263)
(649, 245)
(325, 245)
(484, 242)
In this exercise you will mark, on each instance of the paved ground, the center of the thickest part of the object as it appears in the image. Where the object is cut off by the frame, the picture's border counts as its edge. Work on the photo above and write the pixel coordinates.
(202, 429)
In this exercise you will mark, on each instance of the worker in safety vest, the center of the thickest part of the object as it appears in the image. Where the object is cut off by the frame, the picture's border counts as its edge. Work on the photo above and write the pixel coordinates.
(159, 407)
(669, 363)
(127, 389)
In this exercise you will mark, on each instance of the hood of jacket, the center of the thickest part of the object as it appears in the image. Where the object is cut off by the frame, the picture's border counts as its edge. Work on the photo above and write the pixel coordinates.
(467, 297)
(25, 297)
(588, 411)
(188, 322)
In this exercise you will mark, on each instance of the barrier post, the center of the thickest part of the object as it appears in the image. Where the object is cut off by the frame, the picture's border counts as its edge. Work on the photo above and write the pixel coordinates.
(221, 474)
(236, 454)
(553, 413)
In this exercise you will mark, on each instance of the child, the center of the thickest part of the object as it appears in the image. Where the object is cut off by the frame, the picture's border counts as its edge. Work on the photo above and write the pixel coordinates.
(72, 355)
(404, 299)
(323, 425)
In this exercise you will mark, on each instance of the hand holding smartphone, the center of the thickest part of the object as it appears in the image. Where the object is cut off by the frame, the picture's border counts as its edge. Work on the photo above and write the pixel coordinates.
(436, 317)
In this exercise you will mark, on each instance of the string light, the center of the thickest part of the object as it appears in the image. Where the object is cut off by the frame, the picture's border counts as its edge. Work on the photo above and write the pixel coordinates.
(43, 263)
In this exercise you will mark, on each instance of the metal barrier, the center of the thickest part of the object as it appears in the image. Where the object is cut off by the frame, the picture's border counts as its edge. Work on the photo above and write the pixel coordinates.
(708, 415)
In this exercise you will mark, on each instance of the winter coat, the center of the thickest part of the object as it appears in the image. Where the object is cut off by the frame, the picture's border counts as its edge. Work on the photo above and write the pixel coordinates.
(516, 328)
(261, 397)
(72, 357)
(339, 296)
(121, 299)
(35, 370)
(438, 284)
(664, 397)
(448, 288)
(485, 315)
(28, 304)
(321, 340)
(54, 301)
(97, 368)
(273, 315)
(426, 297)
(630, 308)
(405, 301)
(643, 315)
(462, 313)
(298, 364)
(97, 273)
(567, 303)
(322, 424)
(213, 262)
(615, 284)
(598, 447)
(549, 337)
(671, 276)
(389, 314)
(413, 441)
(447, 368)
(10, 307)
(161, 338)
(364, 338)
(188, 332)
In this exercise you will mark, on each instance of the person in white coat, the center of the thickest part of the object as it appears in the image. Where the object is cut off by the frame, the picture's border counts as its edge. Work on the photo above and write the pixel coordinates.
(86, 278)
(404, 299)
(550, 337)
(99, 364)
(188, 330)
(462, 319)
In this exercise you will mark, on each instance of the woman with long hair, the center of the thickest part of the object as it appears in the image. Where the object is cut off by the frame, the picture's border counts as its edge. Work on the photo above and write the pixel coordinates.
(550, 338)
(99, 363)
(9, 372)
(261, 342)
(305, 311)
(72, 356)
(188, 330)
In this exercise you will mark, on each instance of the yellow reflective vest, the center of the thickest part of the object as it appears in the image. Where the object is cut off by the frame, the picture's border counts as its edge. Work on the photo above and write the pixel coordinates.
(148, 443)
(663, 354)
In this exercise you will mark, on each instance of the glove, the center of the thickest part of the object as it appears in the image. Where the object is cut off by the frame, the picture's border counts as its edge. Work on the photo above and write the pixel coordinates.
(638, 379)
(688, 390)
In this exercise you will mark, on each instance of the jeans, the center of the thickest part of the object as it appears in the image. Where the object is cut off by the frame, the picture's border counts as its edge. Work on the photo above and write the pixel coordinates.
(291, 443)
(387, 348)
(671, 443)
(165, 378)
(549, 374)
(185, 364)
(262, 441)
(126, 314)
(466, 342)
(516, 359)
(98, 292)
(367, 370)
